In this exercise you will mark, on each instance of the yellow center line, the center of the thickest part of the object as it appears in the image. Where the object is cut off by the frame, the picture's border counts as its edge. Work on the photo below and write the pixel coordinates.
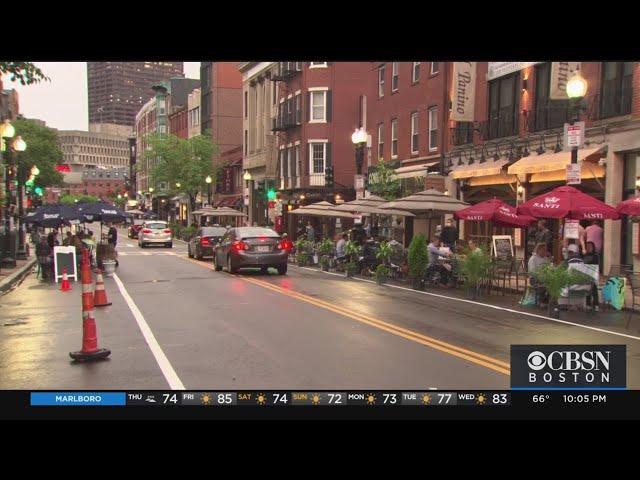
(469, 355)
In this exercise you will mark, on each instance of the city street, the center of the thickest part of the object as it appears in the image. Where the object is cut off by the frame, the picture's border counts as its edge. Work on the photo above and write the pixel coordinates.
(176, 323)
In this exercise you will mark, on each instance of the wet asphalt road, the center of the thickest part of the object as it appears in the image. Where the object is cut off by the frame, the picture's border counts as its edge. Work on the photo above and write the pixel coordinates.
(303, 331)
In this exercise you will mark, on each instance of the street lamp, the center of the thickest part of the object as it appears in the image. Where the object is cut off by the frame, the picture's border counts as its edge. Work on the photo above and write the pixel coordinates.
(208, 180)
(576, 90)
(178, 184)
(19, 145)
(6, 134)
(359, 139)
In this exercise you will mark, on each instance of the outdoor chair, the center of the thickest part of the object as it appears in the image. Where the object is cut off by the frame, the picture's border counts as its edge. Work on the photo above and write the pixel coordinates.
(634, 282)
(620, 270)
(520, 270)
(500, 270)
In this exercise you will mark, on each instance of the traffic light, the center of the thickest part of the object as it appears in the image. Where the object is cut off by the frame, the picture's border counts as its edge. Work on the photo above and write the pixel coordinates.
(38, 191)
(271, 194)
(328, 176)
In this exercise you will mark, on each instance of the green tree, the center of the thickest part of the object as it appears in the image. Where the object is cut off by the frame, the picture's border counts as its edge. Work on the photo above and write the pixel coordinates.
(24, 72)
(70, 199)
(187, 162)
(383, 181)
(43, 151)
(120, 202)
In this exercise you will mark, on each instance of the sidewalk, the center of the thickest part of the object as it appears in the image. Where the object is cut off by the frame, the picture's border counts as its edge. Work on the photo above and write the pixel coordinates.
(607, 318)
(10, 277)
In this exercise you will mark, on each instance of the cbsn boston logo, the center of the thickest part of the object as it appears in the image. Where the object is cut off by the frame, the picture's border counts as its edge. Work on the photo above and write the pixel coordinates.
(568, 367)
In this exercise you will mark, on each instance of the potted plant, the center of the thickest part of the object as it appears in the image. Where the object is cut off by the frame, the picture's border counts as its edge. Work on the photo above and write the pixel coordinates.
(352, 252)
(325, 249)
(418, 260)
(473, 267)
(383, 254)
(382, 272)
(302, 256)
(555, 279)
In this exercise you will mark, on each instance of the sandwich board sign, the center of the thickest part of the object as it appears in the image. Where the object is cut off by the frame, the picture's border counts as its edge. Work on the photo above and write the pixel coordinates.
(65, 257)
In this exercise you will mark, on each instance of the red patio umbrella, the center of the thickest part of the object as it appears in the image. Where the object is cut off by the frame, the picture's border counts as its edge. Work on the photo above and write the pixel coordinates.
(629, 207)
(496, 211)
(568, 202)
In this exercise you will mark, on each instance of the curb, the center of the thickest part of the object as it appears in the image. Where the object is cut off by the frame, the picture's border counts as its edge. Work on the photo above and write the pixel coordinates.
(17, 276)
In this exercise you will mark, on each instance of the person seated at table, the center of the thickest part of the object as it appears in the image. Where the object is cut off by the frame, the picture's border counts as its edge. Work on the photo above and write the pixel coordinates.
(340, 247)
(473, 247)
(435, 255)
(68, 239)
(538, 258)
(573, 255)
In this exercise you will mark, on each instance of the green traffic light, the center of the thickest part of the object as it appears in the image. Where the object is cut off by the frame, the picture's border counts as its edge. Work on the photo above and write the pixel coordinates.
(271, 194)
(38, 191)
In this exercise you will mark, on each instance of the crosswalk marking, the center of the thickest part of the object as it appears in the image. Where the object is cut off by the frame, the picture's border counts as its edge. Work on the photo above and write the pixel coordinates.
(132, 254)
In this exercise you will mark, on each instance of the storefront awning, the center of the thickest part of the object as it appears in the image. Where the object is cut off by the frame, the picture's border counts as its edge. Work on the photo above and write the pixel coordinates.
(549, 162)
(500, 179)
(479, 169)
(588, 171)
(414, 170)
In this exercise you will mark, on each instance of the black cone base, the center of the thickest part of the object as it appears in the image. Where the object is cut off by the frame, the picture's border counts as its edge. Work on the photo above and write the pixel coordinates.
(98, 354)
(102, 305)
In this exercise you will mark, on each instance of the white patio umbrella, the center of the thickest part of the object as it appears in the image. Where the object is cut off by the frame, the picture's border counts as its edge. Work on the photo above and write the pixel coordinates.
(321, 209)
(371, 204)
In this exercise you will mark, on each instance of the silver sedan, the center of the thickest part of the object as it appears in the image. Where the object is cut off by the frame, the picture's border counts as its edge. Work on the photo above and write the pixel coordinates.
(155, 232)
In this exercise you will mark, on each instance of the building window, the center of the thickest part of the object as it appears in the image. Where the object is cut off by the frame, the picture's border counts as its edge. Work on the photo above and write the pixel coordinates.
(290, 166)
(631, 173)
(246, 104)
(298, 105)
(503, 106)
(394, 77)
(435, 67)
(297, 160)
(318, 156)
(463, 133)
(415, 72)
(246, 142)
(617, 82)
(414, 132)
(548, 113)
(318, 106)
(317, 64)
(380, 141)
(381, 81)
(394, 138)
(282, 165)
(433, 129)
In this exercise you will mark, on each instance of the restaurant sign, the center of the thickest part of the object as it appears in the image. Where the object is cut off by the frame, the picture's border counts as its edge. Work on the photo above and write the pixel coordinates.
(500, 69)
(464, 91)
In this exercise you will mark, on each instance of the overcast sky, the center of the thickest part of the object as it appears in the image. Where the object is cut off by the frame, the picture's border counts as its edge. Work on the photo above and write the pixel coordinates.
(62, 102)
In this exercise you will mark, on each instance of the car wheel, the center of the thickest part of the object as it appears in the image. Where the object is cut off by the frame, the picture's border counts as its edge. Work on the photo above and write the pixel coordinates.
(189, 251)
(198, 255)
(216, 267)
(141, 245)
(264, 270)
(282, 269)
(230, 267)
(169, 245)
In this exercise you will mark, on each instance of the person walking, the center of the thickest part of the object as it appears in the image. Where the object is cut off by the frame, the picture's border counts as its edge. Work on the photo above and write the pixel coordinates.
(592, 257)
(112, 239)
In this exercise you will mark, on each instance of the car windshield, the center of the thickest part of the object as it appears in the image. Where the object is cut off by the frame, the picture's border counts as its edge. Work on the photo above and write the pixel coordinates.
(138, 221)
(249, 232)
(156, 225)
(213, 231)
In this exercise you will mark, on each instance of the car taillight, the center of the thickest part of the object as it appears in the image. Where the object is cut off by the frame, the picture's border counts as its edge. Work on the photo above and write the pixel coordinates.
(146, 230)
(167, 230)
(204, 241)
(284, 245)
(239, 245)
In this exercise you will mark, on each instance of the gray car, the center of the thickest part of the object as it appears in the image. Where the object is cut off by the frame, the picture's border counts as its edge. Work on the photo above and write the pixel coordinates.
(251, 247)
(155, 232)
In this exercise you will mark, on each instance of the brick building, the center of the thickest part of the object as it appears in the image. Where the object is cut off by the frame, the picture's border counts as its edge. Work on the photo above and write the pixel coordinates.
(514, 149)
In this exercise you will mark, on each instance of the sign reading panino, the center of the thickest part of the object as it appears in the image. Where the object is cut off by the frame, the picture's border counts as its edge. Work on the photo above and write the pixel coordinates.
(464, 91)
(500, 69)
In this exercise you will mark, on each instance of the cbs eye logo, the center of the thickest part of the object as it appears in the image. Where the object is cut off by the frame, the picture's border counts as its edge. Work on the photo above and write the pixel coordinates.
(536, 360)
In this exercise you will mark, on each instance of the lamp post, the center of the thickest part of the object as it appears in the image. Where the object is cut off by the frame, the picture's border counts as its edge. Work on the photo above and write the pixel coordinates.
(6, 134)
(359, 139)
(151, 197)
(19, 145)
(208, 180)
(576, 90)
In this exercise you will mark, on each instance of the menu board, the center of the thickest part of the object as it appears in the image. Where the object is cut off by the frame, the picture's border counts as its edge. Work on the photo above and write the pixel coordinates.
(572, 229)
(635, 236)
(502, 246)
(65, 257)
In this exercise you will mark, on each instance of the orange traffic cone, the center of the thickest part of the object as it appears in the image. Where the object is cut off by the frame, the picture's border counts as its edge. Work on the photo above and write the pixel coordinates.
(65, 286)
(90, 350)
(100, 297)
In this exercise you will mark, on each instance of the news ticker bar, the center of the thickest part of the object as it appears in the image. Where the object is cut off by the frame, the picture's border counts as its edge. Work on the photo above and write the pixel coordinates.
(271, 398)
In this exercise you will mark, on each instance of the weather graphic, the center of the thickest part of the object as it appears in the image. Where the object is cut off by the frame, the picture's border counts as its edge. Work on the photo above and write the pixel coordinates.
(426, 399)
(315, 399)
(205, 398)
(261, 399)
(371, 399)
(481, 399)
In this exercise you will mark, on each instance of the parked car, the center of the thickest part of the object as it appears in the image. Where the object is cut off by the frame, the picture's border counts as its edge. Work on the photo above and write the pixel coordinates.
(135, 227)
(202, 243)
(155, 231)
(251, 247)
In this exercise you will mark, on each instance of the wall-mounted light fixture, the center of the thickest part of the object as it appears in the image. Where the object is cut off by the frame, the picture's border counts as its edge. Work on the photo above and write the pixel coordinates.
(525, 84)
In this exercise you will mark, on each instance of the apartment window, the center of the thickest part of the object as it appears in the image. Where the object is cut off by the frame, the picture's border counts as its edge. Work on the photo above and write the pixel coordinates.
(435, 67)
(414, 132)
(433, 129)
(617, 81)
(290, 166)
(246, 142)
(297, 161)
(415, 72)
(503, 106)
(274, 89)
(246, 104)
(394, 77)
(282, 163)
(318, 157)
(318, 106)
(394, 138)
(381, 81)
(463, 133)
(298, 107)
(285, 162)
(196, 116)
(380, 141)
(548, 113)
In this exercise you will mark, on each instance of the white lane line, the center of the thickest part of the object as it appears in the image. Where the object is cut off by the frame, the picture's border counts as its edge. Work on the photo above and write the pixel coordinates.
(169, 373)
(511, 310)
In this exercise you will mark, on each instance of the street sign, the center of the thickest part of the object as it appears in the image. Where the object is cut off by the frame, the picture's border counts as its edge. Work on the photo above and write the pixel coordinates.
(246, 196)
(574, 174)
(574, 135)
(358, 182)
